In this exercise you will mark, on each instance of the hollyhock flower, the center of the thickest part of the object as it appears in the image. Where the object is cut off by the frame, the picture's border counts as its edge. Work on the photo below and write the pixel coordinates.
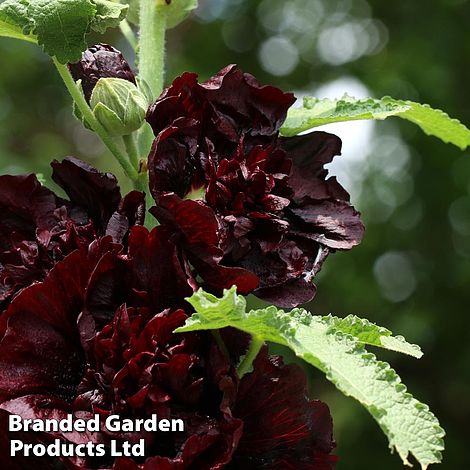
(100, 61)
(265, 215)
(38, 228)
(96, 336)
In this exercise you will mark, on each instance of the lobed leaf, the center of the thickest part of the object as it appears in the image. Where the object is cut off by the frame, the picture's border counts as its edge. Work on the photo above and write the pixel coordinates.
(60, 26)
(316, 112)
(336, 347)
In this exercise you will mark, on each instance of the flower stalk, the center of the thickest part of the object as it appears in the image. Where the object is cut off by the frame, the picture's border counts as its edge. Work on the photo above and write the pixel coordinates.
(151, 50)
(87, 113)
(132, 150)
(153, 20)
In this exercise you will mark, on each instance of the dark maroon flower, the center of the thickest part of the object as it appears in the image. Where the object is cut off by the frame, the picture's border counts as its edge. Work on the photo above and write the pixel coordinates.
(100, 61)
(265, 215)
(38, 228)
(226, 107)
(96, 336)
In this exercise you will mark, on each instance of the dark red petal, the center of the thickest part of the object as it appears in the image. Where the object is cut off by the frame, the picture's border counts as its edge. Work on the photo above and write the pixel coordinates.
(272, 203)
(196, 221)
(197, 229)
(36, 358)
(20, 267)
(171, 166)
(97, 193)
(239, 98)
(40, 350)
(290, 294)
(206, 260)
(179, 100)
(311, 152)
(335, 224)
(25, 206)
(155, 268)
(131, 212)
(106, 286)
(280, 423)
(40, 346)
(277, 267)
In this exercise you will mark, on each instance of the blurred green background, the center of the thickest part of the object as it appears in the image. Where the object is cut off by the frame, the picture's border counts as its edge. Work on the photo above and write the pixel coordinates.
(412, 272)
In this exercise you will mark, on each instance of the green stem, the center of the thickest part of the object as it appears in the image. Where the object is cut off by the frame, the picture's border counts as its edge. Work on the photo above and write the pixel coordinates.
(141, 183)
(145, 139)
(132, 151)
(247, 362)
(128, 33)
(87, 113)
(151, 50)
(153, 18)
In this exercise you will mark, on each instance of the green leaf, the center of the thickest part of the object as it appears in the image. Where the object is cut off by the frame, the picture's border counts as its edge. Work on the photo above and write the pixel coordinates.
(371, 334)
(14, 21)
(9, 30)
(176, 10)
(108, 15)
(337, 348)
(317, 112)
(60, 26)
(133, 13)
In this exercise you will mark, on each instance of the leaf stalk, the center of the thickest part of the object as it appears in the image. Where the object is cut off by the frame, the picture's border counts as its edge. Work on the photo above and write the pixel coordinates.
(247, 363)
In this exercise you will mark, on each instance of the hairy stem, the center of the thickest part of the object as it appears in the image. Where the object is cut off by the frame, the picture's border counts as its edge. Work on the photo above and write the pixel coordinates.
(132, 151)
(87, 113)
(247, 362)
(153, 18)
(141, 183)
(151, 50)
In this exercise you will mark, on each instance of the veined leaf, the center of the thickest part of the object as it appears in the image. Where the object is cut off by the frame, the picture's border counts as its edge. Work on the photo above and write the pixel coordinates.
(60, 26)
(371, 334)
(108, 15)
(336, 347)
(317, 112)
(14, 22)
(9, 30)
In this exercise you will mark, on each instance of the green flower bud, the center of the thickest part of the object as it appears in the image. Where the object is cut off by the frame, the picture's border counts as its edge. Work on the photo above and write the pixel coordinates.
(118, 105)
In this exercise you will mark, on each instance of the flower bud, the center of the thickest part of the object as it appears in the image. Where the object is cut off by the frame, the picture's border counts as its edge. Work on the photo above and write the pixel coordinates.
(118, 105)
(100, 61)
